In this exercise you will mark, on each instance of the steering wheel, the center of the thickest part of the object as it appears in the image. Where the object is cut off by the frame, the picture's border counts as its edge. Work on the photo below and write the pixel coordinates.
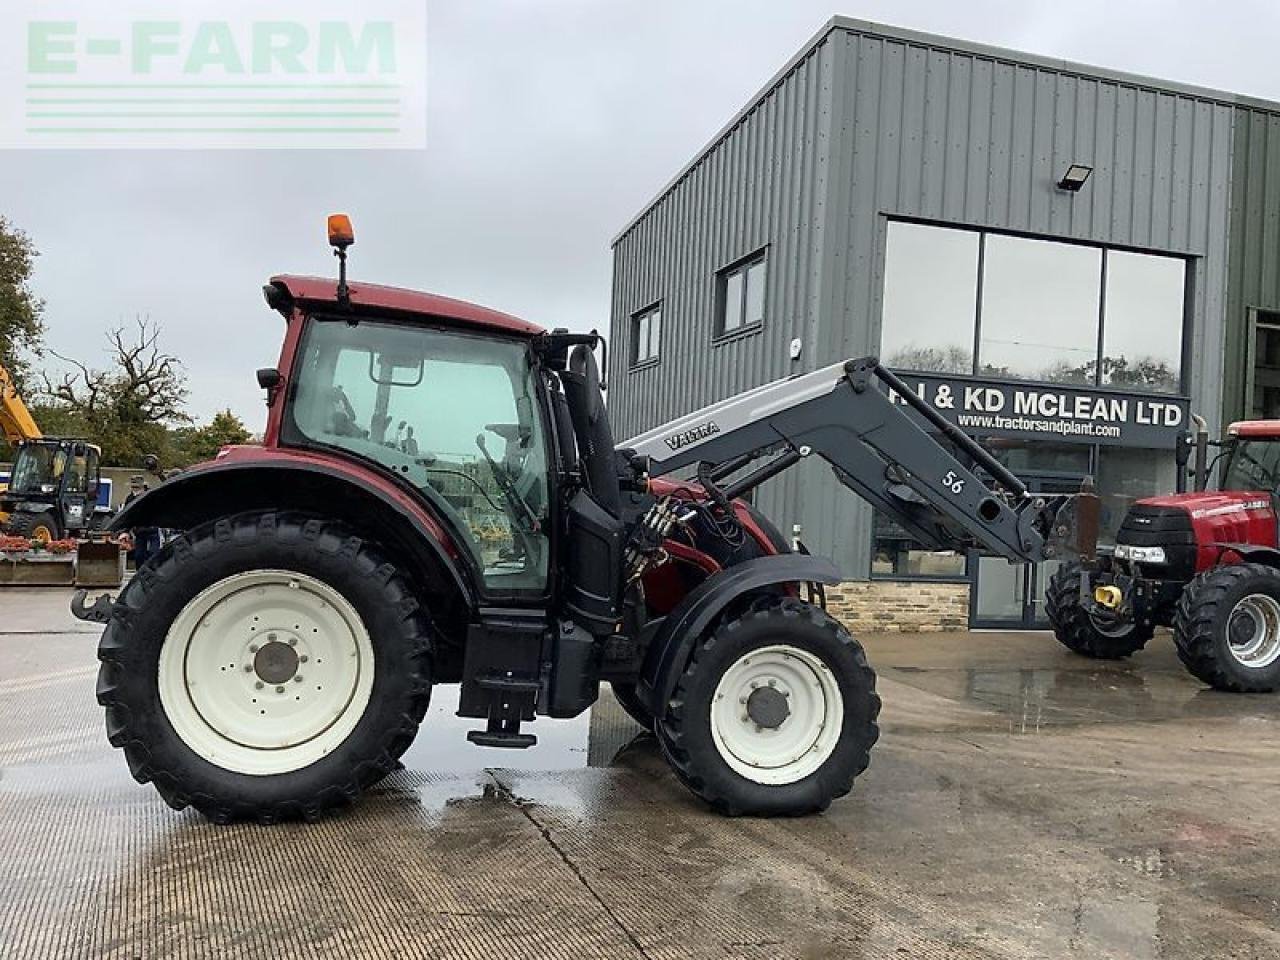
(523, 520)
(342, 415)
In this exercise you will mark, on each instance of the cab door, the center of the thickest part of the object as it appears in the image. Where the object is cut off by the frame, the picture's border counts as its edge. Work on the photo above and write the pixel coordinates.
(74, 500)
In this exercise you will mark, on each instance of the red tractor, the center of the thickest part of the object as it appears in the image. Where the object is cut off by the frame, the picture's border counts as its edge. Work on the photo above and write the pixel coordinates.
(438, 499)
(1205, 563)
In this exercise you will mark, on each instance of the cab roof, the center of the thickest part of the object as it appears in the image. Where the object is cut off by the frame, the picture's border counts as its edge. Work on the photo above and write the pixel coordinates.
(1255, 429)
(315, 292)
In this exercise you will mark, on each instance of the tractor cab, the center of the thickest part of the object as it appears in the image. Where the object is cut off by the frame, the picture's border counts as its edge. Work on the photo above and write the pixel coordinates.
(1252, 457)
(53, 490)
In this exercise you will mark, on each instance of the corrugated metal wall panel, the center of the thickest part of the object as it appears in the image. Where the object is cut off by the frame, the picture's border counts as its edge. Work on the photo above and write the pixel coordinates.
(870, 126)
(1255, 242)
(756, 188)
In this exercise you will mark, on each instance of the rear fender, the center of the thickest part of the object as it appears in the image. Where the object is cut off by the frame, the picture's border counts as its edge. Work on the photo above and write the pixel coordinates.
(331, 489)
(673, 643)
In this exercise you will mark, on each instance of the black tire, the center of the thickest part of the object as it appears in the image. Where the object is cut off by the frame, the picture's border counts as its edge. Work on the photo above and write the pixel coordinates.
(625, 694)
(1077, 631)
(1202, 629)
(685, 733)
(31, 525)
(128, 684)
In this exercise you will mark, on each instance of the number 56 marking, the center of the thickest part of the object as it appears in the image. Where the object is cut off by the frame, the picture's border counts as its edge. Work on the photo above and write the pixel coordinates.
(952, 482)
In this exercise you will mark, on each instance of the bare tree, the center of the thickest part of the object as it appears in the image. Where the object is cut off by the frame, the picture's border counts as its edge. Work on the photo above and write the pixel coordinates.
(129, 405)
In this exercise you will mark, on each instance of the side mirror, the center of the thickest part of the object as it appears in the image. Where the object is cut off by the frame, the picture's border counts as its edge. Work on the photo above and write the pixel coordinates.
(269, 378)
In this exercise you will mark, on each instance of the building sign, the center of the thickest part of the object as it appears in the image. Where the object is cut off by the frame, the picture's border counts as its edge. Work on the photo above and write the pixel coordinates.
(1039, 411)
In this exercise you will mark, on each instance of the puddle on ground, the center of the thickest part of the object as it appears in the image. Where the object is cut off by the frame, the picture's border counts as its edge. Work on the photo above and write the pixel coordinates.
(442, 745)
(1029, 700)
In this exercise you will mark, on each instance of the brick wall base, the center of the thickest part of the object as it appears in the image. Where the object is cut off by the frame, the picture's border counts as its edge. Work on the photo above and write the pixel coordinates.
(885, 606)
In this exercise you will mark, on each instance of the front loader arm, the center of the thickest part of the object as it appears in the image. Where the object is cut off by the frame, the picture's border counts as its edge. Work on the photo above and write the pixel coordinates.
(875, 448)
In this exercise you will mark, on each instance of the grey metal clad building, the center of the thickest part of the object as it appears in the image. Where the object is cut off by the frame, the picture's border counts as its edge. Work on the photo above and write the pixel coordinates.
(1066, 260)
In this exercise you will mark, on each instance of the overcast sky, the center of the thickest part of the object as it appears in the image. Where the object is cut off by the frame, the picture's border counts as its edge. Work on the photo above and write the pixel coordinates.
(550, 123)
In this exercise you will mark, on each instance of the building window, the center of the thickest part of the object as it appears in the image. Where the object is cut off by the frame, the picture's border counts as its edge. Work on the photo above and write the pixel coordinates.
(1035, 309)
(1262, 366)
(741, 294)
(896, 555)
(646, 334)
(1262, 386)
(1128, 474)
(1039, 310)
(1141, 348)
(928, 327)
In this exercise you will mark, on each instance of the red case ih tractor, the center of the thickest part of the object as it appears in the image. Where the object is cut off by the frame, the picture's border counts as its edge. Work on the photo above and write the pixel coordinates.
(439, 500)
(1205, 563)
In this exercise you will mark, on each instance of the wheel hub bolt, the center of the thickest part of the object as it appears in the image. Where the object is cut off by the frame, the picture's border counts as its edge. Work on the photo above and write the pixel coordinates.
(303, 658)
(279, 689)
(298, 678)
(248, 668)
(258, 685)
(253, 648)
(293, 641)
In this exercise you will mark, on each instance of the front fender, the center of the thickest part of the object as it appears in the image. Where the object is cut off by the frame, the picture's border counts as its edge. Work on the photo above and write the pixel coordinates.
(278, 480)
(1251, 553)
(684, 626)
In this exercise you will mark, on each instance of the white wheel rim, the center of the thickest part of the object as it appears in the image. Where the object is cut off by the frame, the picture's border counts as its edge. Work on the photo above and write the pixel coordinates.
(803, 740)
(1253, 631)
(266, 672)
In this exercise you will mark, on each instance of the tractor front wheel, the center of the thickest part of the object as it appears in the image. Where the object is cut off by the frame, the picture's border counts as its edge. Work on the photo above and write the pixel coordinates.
(266, 667)
(774, 714)
(625, 694)
(1082, 632)
(35, 526)
(1227, 629)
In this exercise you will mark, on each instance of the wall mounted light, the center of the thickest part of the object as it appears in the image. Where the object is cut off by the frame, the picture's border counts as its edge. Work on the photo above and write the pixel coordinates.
(1075, 177)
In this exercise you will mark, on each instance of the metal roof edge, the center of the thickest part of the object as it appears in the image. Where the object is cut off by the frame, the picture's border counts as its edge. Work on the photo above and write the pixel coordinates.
(940, 42)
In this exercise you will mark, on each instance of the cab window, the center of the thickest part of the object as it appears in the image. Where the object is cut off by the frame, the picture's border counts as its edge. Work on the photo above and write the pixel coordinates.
(1254, 465)
(453, 414)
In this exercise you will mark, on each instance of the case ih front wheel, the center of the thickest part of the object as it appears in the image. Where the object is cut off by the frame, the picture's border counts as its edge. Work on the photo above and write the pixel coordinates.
(775, 713)
(1082, 633)
(1227, 629)
(265, 667)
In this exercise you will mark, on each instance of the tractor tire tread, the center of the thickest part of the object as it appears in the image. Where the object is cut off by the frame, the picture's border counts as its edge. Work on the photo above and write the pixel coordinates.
(125, 691)
(1073, 628)
(672, 733)
(1195, 627)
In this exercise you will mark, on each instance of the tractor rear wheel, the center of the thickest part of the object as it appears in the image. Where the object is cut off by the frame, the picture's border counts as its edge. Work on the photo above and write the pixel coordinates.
(774, 714)
(1227, 628)
(1080, 631)
(267, 667)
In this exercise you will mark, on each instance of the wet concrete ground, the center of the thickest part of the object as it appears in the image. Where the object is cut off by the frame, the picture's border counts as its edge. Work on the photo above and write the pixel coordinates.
(1021, 803)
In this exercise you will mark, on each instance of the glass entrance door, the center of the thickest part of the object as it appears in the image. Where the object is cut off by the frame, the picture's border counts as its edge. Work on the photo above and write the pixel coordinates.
(1010, 596)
